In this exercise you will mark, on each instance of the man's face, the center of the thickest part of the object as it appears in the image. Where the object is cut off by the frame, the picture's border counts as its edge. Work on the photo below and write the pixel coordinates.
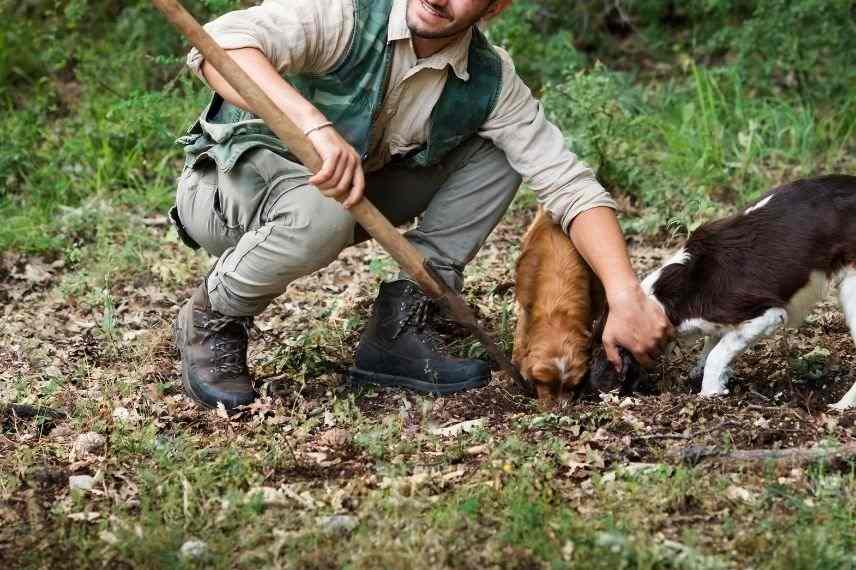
(444, 18)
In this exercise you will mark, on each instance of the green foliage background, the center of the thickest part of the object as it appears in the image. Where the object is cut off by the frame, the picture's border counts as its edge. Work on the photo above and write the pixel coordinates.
(685, 108)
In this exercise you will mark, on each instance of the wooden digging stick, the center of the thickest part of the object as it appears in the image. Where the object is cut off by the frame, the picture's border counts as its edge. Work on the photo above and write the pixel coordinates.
(365, 213)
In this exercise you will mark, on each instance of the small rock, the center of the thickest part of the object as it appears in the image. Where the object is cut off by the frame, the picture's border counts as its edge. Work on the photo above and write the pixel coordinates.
(89, 442)
(627, 402)
(736, 493)
(35, 272)
(121, 414)
(53, 372)
(329, 419)
(193, 549)
(568, 551)
(600, 434)
(83, 482)
(108, 537)
(338, 524)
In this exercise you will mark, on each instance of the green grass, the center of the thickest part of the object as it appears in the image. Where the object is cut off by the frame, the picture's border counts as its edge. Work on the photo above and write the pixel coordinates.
(111, 163)
(87, 124)
(523, 521)
(93, 96)
(701, 144)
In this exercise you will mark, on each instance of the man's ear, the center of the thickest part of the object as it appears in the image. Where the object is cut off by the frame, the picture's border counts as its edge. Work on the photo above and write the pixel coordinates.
(496, 9)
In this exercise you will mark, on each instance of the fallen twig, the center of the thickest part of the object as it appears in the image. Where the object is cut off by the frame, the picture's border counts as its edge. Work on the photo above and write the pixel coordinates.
(662, 436)
(720, 425)
(759, 395)
(28, 411)
(764, 408)
(696, 454)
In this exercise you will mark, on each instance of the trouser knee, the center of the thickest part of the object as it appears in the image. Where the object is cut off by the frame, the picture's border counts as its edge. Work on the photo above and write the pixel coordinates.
(304, 233)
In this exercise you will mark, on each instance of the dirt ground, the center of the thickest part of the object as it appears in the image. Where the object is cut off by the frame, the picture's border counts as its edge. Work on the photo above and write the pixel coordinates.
(110, 360)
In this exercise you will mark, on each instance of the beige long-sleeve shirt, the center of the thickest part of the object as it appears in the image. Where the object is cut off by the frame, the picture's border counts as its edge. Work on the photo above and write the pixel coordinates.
(307, 36)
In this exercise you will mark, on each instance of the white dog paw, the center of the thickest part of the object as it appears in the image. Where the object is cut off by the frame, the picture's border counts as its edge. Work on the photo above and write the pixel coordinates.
(713, 393)
(843, 406)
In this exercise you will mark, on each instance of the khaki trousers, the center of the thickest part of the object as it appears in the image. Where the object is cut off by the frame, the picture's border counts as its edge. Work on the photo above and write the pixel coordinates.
(268, 226)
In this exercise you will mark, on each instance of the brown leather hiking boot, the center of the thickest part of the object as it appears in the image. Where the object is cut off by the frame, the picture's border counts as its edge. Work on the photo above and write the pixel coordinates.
(213, 351)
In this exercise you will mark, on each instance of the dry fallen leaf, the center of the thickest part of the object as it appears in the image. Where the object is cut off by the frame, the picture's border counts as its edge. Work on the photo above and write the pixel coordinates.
(335, 437)
(269, 496)
(108, 537)
(86, 443)
(85, 517)
(457, 429)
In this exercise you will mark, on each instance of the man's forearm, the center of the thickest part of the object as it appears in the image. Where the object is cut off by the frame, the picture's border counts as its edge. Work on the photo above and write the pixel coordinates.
(257, 66)
(636, 321)
(597, 236)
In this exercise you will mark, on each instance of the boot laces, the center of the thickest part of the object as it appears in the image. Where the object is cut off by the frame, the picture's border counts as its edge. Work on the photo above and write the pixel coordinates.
(228, 341)
(419, 316)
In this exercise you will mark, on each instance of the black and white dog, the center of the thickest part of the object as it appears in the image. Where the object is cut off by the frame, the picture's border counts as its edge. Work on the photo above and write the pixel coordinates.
(741, 278)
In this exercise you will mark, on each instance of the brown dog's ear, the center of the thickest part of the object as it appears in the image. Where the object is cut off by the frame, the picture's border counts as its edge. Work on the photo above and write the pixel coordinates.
(544, 373)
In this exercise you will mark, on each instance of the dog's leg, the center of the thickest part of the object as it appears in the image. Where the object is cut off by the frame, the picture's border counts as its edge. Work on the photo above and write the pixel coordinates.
(697, 371)
(733, 344)
(519, 346)
(847, 296)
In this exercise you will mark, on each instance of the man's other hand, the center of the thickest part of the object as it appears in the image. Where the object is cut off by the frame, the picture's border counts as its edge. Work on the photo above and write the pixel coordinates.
(639, 324)
(341, 175)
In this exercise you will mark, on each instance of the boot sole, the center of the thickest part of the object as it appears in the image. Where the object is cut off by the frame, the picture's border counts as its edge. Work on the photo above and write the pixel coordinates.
(359, 377)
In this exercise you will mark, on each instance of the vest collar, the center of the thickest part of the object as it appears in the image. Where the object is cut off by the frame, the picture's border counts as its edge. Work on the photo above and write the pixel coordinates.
(455, 55)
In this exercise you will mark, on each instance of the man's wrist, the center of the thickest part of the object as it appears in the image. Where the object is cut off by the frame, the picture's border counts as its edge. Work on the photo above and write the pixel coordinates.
(307, 118)
(628, 289)
(318, 127)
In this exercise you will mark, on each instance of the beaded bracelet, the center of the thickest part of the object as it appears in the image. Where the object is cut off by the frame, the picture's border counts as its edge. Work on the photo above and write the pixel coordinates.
(317, 128)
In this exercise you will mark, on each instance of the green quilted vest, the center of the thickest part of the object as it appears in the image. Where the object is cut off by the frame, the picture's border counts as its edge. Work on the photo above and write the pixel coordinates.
(351, 95)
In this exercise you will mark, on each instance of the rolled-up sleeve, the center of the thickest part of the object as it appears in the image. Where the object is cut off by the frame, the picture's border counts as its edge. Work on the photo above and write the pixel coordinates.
(295, 35)
(537, 150)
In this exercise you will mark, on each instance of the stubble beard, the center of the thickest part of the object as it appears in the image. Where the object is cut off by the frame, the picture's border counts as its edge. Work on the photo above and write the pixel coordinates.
(454, 29)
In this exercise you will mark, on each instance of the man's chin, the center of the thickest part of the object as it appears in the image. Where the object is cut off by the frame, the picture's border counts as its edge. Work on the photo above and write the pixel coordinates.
(420, 31)
(416, 32)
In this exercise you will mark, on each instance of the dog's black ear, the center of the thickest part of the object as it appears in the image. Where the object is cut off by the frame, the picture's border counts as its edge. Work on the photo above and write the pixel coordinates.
(632, 374)
(602, 375)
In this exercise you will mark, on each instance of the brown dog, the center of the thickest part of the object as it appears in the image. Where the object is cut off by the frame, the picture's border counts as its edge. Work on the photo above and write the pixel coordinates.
(558, 296)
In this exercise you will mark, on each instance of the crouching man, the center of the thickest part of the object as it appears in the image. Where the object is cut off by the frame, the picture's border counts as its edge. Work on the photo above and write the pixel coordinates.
(408, 104)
